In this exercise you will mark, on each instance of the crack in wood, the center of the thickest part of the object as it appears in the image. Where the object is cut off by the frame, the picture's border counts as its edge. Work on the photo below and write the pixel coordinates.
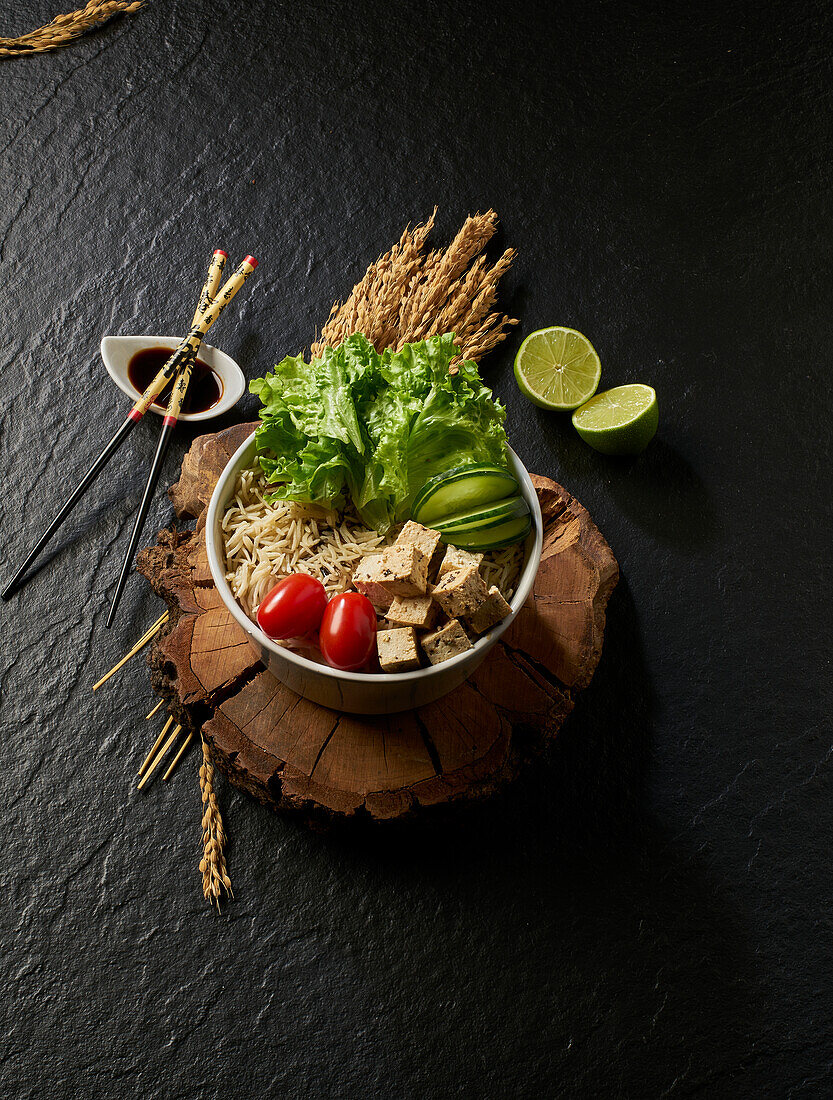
(430, 747)
(515, 651)
(323, 747)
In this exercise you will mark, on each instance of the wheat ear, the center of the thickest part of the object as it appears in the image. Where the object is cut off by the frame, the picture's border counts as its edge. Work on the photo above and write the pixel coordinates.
(215, 880)
(64, 28)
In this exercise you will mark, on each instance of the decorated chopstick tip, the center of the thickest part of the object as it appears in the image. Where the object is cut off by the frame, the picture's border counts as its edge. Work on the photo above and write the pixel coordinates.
(250, 260)
(221, 252)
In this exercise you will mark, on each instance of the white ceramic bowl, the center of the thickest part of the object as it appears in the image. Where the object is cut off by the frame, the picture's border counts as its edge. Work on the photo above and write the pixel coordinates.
(117, 351)
(361, 692)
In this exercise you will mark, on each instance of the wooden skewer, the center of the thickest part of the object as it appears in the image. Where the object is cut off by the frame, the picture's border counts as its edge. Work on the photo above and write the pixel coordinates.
(156, 745)
(192, 345)
(142, 642)
(155, 709)
(152, 629)
(175, 761)
(159, 758)
(145, 638)
(140, 407)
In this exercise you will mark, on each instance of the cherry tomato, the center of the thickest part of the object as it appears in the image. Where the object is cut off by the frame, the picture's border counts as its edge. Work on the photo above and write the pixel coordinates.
(348, 631)
(293, 607)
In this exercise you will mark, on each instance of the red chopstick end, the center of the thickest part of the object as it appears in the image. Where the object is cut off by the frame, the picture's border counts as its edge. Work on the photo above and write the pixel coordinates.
(220, 252)
(250, 260)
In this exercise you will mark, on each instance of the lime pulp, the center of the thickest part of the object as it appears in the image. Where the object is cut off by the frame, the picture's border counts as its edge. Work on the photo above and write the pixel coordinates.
(557, 368)
(621, 421)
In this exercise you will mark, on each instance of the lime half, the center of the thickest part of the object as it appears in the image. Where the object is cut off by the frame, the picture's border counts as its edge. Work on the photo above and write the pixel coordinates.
(557, 368)
(622, 421)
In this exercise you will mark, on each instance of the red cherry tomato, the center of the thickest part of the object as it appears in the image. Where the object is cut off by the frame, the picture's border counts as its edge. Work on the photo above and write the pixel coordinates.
(294, 607)
(348, 631)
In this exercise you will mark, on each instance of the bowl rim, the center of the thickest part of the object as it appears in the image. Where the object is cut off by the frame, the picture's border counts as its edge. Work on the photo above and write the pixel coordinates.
(534, 543)
(234, 381)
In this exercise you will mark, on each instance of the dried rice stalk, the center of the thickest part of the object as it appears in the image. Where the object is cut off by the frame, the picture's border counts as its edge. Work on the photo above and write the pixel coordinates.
(215, 879)
(409, 294)
(64, 28)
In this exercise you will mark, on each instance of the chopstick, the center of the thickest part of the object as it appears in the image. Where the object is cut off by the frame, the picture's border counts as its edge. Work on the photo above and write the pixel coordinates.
(193, 341)
(139, 409)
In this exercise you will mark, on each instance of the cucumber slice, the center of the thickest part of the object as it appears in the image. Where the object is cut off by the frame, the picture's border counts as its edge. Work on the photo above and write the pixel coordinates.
(493, 538)
(487, 515)
(464, 487)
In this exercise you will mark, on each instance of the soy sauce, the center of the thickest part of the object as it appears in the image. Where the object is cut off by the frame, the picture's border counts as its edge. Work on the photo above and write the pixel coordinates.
(204, 391)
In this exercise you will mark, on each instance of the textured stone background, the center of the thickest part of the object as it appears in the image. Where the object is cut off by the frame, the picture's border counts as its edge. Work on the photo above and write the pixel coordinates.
(650, 913)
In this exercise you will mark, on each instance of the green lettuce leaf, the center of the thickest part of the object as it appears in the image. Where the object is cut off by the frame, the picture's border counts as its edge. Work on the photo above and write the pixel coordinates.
(357, 426)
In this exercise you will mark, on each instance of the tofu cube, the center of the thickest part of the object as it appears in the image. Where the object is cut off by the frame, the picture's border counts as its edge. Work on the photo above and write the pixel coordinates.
(418, 611)
(445, 643)
(460, 594)
(425, 538)
(458, 559)
(491, 611)
(397, 649)
(366, 581)
(403, 570)
(428, 541)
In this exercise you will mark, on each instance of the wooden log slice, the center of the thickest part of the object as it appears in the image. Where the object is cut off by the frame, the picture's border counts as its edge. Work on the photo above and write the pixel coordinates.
(297, 756)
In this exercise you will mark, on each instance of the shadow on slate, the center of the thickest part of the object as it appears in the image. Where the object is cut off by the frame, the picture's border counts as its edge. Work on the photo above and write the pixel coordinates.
(248, 355)
(658, 490)
(79, 527)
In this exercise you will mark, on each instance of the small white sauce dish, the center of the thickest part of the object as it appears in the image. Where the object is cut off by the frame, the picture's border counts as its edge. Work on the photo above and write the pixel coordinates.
(361, 692)
(117, 351)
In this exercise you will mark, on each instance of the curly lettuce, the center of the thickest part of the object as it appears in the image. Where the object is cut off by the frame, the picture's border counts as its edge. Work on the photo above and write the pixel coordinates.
(356, 426)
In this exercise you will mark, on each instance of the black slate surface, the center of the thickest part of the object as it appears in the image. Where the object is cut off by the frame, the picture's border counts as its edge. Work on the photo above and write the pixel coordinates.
(648, 914)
